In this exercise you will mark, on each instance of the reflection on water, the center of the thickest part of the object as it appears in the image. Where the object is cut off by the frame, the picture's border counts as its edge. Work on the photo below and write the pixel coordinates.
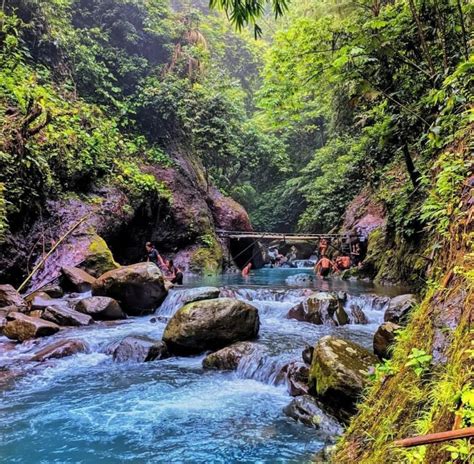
(88, 409)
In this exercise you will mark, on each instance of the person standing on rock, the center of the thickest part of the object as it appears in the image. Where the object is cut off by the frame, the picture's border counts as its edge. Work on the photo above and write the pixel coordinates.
(153, 256)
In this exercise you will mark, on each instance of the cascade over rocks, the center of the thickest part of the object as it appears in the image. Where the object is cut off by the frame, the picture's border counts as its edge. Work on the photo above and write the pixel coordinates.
(307, 410)
(399, 308)
(139, 349)
(228, 358)
(320, 308)
(139, 288)
(338, 374)
(21, 327)
(10, 297)
(101, 308)
(200, 293)
(76, 280)
(64, 316)
(211, 325)
(60, 349)
(384, 338)
(357, 315)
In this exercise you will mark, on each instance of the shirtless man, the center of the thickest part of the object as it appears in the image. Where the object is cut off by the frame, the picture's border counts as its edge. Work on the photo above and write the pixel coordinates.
(323, 246)
(343, 263)
(246, 270)
(323, 267)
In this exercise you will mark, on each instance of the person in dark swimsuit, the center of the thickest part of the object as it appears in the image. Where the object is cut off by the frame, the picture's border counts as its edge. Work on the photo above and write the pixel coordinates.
(152, 254)
(175, 276)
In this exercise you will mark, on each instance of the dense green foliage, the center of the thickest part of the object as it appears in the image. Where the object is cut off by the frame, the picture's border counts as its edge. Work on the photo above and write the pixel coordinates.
(90, 90)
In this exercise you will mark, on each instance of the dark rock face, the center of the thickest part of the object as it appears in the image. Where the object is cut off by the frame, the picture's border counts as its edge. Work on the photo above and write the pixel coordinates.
(307, 354)
(21, 327)
(384, 338)
(139, 349)
(77, 280)
(53, 290)
(399, 308)
(295, 375)
(139, 288)
(307, 410)
(320, 308)
(358, 316)
(228, 358)
(10, 297)
(60, 349)
(65, 316)
(211, 325)
(338, 374)
(101, 308)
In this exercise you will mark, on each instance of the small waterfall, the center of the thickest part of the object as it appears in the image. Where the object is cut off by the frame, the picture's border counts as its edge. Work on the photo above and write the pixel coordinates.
(174, 300)
(372, 306)
(267, 294)
(259, 366)
(304, 263)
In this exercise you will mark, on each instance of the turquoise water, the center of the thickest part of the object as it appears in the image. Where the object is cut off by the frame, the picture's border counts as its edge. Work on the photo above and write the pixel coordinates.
(88, 409)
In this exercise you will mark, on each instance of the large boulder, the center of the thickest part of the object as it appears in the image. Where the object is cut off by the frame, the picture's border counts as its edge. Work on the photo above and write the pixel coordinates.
(307, 410)
(98, 258)
(64, 316)
(76, 280)
(320, 308)
(139, 288)
(10, 297)
(139, 349)
(338, 374)
(21, 327)
(60, 349)
(101, 308)
(228, 358)
(211, 325)
(295, 375)
(399, 308)
(384, 338)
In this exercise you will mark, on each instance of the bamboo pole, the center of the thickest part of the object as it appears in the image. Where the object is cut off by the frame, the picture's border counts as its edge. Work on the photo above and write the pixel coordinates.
(435, 437)
(50, 252)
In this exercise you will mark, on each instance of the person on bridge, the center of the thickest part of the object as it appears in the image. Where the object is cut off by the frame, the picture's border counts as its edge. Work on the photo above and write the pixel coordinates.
(323, 267)
(246, 270)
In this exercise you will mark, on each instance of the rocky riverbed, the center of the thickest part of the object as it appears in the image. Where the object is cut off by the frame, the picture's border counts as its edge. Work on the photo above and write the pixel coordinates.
(221, 373)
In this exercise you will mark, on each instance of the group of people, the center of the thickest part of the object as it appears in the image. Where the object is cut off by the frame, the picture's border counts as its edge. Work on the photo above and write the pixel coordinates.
(324, 266)
(171, 272)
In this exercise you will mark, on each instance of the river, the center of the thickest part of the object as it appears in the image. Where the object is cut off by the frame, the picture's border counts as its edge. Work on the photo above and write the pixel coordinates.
(88, 409)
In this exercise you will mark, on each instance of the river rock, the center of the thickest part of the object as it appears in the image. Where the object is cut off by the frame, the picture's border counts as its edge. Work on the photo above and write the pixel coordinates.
(101, 308)
(139, 288)
(200, 293)
(139, 349)
(21, 327)
(384, 338)
(76, 280)
(211, 325)
(228, 358)
(60, 349)
(338, 374)
(53, 290)
(65, 316)
(307, 354)
(357, 315)
(307, 410)
(320, 308)
(38, 301)
(295, 375)
(399, 308)
(10, 297)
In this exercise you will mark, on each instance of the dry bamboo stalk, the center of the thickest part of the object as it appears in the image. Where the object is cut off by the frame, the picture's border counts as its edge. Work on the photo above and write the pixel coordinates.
(50, 252)
(435, 437)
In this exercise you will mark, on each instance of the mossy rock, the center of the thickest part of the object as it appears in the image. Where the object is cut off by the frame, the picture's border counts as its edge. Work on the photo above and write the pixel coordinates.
(99, 258)
(338, 374)
(207, 259)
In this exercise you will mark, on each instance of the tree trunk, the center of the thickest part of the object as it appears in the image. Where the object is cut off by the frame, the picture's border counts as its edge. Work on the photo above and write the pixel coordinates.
(412, 171)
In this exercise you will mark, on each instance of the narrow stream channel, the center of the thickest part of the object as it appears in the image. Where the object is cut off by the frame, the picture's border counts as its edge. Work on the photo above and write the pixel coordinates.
(88, 409)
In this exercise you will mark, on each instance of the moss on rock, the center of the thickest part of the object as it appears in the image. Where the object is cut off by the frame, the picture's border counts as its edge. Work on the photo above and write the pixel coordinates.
(99, 258)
